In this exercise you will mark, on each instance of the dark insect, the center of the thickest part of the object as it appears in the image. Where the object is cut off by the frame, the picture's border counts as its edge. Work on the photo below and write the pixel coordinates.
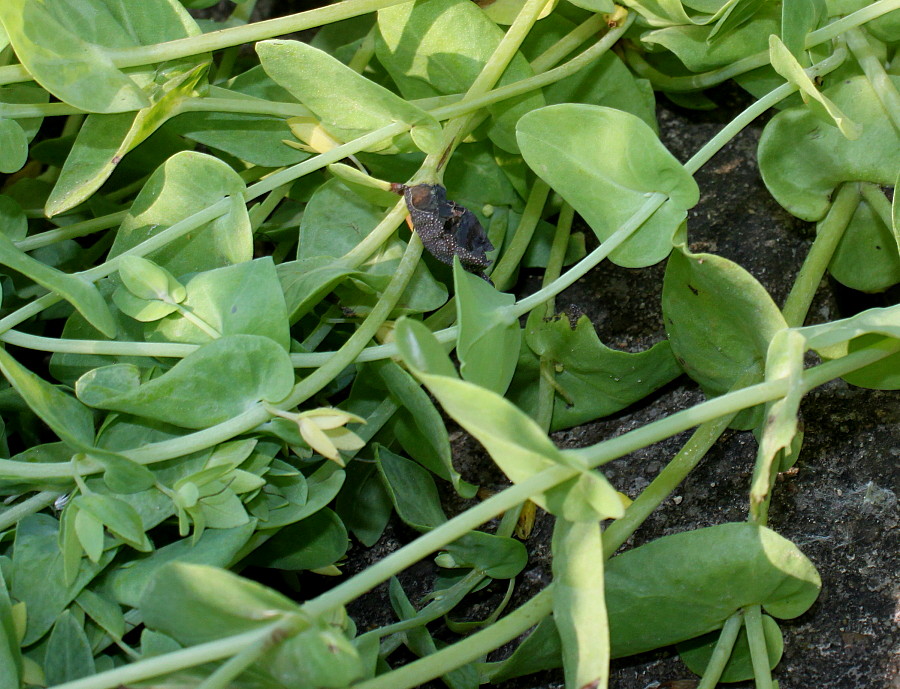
(446, 228)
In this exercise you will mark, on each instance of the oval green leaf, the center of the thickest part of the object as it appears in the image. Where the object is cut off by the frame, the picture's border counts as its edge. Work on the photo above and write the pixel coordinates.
(497, 556)
(685, 585)
(719, 320)
(489, 333)
(13, 146)
(73, 69)
(317, 541)
(802, 160)
(197, 603)
(243, 299)
(348, 104)
(605, 163)
(185, 184)
(867, 257)
(420, 349)
(411, 489)
(69, 655)
(194, 393)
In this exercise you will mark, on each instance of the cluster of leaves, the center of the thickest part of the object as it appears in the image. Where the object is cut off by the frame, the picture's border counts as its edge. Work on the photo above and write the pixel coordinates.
(244, 334)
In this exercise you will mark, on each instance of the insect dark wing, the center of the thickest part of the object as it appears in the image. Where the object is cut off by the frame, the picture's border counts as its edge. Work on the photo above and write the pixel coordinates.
(446, 228)
(470, 234)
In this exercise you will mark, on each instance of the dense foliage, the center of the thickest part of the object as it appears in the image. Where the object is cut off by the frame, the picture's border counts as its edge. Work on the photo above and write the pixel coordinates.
(249, 347)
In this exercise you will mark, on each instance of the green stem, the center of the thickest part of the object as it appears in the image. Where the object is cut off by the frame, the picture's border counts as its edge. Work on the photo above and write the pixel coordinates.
(78, 229)
(364, 52)
(323, 159)
(374, 353)
(378, 236)
(455, 130)
(593, 456)
(610, 244)
(548, 387)
(243, 11)
(875, 197)
(250, 106)
(730, 130)
(565, 45)
(468, 626)
(197, 322)
(664, 484)
(30, 309)
(347, 354)
(249, 33)
(829, 232)
(469, 649)
(320, 332)
(180, 660)
(73, 124)
(557, 256)
(858, 18)
(722, 652)
(438, 608)
(11, 515)
(199, 440)
(261, 211)
(225, 68)
(539, 80)
(125, 192)
(531, 216)
(693, 82)
(876, 74)
(234, 666)
(507, 48)
(756, 639)
(103, 347)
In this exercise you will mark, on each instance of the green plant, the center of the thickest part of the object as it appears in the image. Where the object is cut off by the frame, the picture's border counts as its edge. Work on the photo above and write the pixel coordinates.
(238, 378)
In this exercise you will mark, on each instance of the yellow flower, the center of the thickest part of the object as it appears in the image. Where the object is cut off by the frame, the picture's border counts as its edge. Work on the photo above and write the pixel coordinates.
(323, 430)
